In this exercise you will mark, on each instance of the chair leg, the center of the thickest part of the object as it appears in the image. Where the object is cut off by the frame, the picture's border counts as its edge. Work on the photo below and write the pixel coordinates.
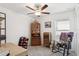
(67, 52)
(69, 46)
(58, 48)
(64, 52)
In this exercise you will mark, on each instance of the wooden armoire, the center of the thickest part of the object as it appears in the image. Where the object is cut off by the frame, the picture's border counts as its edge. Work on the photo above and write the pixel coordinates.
(35, 34)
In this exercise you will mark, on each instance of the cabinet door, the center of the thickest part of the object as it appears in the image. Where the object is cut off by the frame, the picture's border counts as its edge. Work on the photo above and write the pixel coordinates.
(46, 39)
(36, 42)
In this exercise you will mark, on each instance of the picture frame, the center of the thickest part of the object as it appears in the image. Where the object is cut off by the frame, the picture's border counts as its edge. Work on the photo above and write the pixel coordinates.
(48, 24)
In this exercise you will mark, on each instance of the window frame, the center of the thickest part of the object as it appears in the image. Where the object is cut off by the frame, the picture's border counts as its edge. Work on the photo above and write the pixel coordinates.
(63, 30)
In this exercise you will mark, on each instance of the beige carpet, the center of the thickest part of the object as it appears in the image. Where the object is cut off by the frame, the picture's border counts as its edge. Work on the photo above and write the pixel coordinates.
(43, 51)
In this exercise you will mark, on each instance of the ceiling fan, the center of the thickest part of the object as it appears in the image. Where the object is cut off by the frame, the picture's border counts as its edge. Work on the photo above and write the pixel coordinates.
(39, 9)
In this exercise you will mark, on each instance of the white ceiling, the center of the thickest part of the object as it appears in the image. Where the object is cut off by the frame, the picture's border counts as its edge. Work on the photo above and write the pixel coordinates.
(52, 7)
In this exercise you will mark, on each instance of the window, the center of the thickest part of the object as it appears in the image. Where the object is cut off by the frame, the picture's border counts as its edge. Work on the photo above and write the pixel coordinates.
(62, 26)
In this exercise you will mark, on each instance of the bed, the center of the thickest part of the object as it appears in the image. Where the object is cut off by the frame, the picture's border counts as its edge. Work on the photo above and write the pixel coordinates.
(14, 49)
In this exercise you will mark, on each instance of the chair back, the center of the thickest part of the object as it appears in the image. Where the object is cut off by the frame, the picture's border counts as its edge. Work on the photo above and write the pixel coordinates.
(63, 36)
(23, 41)
(70, 35)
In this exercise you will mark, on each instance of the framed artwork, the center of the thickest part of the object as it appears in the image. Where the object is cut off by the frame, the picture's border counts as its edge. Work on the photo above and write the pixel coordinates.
(48, 24)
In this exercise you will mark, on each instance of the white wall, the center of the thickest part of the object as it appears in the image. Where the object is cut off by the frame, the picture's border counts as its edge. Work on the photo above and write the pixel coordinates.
(77, 27)
(17, 25)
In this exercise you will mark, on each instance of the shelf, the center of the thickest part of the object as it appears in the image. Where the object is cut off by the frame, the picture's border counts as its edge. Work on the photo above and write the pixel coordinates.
(2, 28)
(2, 37)
(35, 33)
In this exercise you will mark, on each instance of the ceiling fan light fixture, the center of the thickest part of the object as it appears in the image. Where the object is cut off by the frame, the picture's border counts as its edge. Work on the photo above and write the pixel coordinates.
(37, 13)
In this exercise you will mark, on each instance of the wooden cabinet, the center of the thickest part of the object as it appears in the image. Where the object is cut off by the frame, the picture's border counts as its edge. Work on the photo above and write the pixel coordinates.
(2, 27)
(46, 39)
(35, 34)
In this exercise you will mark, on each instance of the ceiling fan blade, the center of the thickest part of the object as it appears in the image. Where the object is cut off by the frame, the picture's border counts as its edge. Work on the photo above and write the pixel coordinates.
(30, 13)
(30, 8)
(45, 12)
(45, 6)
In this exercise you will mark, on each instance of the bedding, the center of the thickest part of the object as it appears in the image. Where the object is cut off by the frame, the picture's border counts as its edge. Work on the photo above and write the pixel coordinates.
(14, 49)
